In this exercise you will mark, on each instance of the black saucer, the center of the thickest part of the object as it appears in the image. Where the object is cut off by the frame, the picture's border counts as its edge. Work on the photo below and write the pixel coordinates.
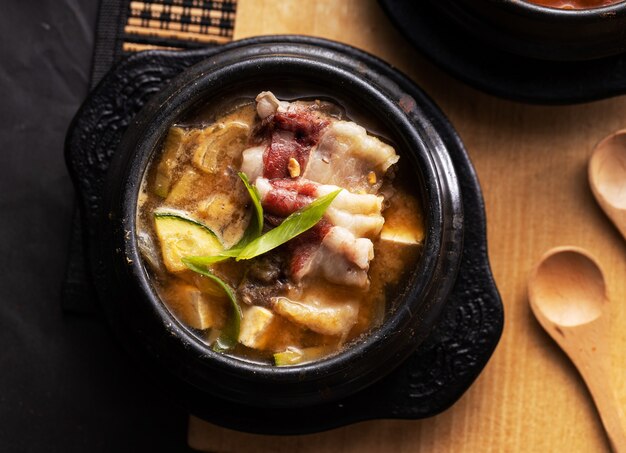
(442, 368)
(501, 73)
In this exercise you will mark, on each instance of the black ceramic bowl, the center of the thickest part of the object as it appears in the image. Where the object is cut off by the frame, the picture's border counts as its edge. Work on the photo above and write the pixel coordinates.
(540, 32)
(173, 351)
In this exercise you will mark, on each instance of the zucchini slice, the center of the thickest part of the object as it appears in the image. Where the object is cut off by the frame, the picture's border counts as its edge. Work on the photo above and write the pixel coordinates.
(181, 237)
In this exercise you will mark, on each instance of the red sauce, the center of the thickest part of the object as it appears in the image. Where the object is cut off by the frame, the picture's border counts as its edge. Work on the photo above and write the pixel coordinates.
(574, 4)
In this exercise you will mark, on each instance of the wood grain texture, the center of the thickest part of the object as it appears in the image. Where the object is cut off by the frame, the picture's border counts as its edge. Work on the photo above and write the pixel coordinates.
(532, 164)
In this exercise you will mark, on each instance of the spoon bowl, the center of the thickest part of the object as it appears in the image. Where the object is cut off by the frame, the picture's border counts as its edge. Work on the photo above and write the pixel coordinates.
(568, 288)
(607, 177)
(567, 295)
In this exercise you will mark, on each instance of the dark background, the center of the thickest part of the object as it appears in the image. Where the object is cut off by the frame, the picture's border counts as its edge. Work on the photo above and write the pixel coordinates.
(65, 384)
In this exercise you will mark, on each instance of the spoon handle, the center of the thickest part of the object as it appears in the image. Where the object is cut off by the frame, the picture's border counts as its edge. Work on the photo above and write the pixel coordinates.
(591, 359)
(609, 410)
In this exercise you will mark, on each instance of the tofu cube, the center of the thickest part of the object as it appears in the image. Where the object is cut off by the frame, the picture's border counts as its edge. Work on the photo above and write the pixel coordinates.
(255, 326)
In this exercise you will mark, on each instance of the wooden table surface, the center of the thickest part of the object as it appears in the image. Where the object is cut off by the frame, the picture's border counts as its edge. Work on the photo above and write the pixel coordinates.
(532, 163)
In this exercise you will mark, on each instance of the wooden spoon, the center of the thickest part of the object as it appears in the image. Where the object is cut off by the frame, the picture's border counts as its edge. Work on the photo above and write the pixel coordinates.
(568, 297)
(607, 177)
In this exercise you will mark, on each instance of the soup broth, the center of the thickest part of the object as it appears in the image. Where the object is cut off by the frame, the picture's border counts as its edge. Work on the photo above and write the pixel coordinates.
(280, 232)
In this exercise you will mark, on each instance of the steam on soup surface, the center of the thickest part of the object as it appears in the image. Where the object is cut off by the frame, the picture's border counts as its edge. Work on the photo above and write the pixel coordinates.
(302, 262)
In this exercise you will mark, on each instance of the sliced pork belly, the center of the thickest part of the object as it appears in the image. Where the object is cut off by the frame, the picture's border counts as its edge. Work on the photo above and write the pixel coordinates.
(303, 153)
(340, 258)
(281, 197)
(358, 213)
(360, 225)
(359, 251)
(335, 249)
(299, 139)
(347, 156)
(354, 203)
(289, 131)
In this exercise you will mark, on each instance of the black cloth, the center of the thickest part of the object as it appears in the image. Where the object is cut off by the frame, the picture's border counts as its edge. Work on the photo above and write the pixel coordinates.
(65, 384)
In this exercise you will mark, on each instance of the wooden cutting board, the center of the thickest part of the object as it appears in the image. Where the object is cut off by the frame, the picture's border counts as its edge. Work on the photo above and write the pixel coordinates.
(531, 161)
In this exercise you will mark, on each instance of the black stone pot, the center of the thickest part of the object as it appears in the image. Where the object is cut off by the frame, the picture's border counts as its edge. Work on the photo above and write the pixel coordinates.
(450, 314)
(539, 32)
(136, 306)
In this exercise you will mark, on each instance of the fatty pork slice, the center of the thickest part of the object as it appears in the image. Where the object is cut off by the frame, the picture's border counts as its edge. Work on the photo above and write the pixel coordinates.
(288, 132)
(347, 156)
(358, 213)
(339, 258)
(327, 150)
(334, 249)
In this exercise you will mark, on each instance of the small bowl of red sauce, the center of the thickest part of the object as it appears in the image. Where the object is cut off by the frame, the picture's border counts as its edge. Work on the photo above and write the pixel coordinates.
(555, 30)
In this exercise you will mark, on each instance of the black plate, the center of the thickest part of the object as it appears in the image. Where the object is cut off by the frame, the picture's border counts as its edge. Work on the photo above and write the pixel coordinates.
(501, 73)
(448, 361)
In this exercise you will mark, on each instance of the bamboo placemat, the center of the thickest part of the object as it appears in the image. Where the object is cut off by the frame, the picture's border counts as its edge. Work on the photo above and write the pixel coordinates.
(178, 24)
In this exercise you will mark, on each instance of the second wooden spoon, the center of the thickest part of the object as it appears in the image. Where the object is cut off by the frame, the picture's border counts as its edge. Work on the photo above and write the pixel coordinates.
(568, 297)
(607, 177)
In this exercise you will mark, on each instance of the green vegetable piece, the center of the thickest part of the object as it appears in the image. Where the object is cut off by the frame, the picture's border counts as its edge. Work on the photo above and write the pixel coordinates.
(297, 223)
(212, 259)
(230, 334)
(181, 236)
(256, 201)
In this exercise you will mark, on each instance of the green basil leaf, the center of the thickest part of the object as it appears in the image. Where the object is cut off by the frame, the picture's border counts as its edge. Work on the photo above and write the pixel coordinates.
(297, 223)
(230, 333)
(256, 201)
